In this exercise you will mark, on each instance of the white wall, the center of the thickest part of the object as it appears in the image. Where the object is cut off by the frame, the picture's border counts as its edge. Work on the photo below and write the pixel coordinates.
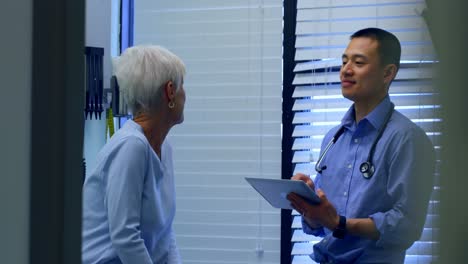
(15, 108)
(102, 20)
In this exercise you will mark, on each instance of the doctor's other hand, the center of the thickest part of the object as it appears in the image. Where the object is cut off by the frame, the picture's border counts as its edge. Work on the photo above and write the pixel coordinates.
(316, 215)
(304, 178)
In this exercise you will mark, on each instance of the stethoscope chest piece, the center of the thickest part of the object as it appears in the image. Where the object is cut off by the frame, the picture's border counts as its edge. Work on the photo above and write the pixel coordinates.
(367, 170)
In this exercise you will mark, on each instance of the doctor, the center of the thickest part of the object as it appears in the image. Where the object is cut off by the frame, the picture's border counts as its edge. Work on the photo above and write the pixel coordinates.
(376, 177)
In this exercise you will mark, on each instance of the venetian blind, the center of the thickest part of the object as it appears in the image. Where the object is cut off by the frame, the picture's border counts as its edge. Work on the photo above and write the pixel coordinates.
(232, 51)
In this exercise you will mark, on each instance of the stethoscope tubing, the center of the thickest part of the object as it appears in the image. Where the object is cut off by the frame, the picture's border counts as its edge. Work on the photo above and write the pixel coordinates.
(367, 168)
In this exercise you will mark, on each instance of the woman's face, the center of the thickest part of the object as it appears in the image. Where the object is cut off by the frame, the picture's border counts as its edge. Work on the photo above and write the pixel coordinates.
(178, 110)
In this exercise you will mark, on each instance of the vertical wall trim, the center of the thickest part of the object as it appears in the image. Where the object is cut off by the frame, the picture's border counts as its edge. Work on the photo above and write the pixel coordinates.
(57, 131)
(127, 14)
(289, 40)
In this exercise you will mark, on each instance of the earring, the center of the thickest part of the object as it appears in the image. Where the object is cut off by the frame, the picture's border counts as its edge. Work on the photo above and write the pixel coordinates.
(171, 104)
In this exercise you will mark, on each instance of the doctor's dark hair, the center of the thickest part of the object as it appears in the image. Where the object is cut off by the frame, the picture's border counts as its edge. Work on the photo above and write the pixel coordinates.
(389, 47)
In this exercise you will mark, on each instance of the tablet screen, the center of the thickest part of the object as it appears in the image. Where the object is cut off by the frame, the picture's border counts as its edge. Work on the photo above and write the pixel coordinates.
(275, 191)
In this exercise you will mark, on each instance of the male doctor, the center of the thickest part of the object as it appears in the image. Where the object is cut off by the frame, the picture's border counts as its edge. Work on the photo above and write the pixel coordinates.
(373, 206)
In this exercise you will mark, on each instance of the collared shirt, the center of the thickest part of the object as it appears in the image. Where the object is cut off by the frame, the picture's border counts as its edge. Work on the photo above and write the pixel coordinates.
(395, 198)
(129, 202)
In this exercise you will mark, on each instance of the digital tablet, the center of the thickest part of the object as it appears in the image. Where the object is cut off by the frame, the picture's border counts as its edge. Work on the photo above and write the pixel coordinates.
(275, 191)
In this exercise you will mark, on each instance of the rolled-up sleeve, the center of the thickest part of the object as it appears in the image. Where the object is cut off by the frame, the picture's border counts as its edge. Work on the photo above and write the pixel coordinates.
(123, 201)
(410, 183)
(318, 232)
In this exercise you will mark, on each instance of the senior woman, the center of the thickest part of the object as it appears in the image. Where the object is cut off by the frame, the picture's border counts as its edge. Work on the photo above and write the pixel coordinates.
(129, 198)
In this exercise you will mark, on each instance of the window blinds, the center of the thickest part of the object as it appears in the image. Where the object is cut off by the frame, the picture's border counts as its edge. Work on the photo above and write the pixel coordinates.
(232, 129)
(322, 33)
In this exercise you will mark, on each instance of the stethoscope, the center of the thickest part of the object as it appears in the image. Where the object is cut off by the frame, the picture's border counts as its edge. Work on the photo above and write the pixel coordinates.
(367, 168)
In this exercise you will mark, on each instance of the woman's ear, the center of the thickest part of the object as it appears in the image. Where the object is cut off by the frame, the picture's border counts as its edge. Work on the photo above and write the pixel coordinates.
(169, 91)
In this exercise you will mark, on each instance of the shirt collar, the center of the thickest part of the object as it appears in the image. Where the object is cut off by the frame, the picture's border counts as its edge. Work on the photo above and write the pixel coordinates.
(349, 118)
(375, 118)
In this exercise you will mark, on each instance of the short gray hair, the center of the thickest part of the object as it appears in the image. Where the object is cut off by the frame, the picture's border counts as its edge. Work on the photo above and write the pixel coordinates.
(142, 72)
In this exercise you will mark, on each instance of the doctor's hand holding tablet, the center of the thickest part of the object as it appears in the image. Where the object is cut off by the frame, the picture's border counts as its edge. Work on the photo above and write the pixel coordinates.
(298, 193)
(322, 214)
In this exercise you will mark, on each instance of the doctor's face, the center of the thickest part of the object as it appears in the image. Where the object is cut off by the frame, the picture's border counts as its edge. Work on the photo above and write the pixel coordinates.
(362, 73)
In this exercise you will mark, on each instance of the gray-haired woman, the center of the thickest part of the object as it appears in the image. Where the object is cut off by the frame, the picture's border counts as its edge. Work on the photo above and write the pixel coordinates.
(129, 197)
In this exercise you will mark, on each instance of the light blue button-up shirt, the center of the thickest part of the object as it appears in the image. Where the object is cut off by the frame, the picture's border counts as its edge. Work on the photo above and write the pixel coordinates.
(129, 203)
(395, 198)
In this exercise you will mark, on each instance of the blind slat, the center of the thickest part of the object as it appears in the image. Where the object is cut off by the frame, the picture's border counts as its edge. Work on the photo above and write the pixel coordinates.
(333, 77)
(418, 112)
(419, 86)
(345, 3)
(199, 4)
(335, 102)
(391, 23)
(340, 39)
(375, 12)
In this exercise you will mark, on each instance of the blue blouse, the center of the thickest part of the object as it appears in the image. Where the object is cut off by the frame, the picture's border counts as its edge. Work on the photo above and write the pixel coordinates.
(129, 202)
